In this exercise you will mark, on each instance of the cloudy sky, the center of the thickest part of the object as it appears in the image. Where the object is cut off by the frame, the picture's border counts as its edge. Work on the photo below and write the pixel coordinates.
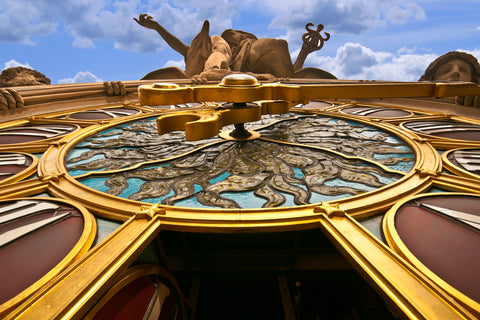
(93, 40)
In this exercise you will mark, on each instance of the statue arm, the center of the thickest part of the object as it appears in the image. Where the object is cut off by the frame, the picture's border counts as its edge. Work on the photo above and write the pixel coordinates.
(147, 21)
(312, 41)
(302, 55)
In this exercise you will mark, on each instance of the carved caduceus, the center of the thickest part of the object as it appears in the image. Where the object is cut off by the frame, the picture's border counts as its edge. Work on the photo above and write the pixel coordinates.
(312, 41)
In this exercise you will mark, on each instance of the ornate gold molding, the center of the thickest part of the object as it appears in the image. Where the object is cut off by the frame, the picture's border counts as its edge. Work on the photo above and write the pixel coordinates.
(76, 290)
(180, 218)
(134, 273)
(81, 247)
(151, 95)
(71, 294)
(409, 292)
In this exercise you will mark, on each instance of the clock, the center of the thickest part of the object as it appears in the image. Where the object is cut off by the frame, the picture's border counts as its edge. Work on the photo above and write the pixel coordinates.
(144, 181)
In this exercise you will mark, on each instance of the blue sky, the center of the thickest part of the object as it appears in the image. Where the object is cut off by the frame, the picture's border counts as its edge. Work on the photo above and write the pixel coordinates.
(90, 40)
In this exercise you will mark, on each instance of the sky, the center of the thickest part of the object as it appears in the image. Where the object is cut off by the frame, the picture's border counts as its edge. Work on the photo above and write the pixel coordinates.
(72, 41)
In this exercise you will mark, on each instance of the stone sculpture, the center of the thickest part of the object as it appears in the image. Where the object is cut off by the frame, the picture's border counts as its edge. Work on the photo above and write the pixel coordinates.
(235, 51)
(20, 76)
(455, 66)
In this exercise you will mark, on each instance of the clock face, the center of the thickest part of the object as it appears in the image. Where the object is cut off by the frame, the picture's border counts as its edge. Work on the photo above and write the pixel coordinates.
(464, 160)
(440, 232)
(16, 165)
(78, 174)
(446, 129)
(97, 114)
(30, 133)
(30, 230)
(145, 292)
(378, 112)
(300, 159)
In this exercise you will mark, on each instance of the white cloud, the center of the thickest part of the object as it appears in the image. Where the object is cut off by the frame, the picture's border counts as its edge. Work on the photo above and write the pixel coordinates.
(13, 63)
(82, 42)
(21, 20)
(175, 63)
(90, 20)
(348, 17)
(401, 12)
(354, 61)
(475, 52)
(353, 58)
(81, 77)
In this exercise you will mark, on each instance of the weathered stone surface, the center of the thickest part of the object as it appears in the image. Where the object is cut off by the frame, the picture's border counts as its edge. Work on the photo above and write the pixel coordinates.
(455, 66)
(20, 76)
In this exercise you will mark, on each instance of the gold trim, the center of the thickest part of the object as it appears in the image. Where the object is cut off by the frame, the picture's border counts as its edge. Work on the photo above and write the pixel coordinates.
(74, 292)
(229, 220)
(23, 188)
(405, 289)
(131, 275)
(456, 183)
(395, 242)
(81, 247)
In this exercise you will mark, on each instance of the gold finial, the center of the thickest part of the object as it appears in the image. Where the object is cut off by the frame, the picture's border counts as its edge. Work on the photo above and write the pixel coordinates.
(239, 80)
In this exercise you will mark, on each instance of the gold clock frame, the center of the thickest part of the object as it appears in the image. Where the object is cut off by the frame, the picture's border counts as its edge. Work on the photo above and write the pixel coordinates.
(427, 162)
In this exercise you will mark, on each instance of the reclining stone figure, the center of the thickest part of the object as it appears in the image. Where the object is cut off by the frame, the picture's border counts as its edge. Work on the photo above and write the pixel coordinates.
(235, 51)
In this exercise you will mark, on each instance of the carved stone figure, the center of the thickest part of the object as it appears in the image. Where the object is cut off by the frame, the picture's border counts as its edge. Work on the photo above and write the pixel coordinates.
(20, 76)
(455, 66)
(236, 51)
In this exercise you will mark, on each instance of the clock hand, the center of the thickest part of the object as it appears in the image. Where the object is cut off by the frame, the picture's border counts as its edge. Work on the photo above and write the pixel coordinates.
(17, 233)
(12, 161)
(469, 164)
(23, 209)
(437, 128)
(366, 111)
(468, 218)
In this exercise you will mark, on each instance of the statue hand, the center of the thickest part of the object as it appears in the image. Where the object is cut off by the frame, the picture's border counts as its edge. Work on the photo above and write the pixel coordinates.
(146, 21)
(198, 79)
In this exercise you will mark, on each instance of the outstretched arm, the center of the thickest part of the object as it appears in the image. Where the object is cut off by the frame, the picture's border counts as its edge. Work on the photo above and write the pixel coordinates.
(147, 21)
(312, 41)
